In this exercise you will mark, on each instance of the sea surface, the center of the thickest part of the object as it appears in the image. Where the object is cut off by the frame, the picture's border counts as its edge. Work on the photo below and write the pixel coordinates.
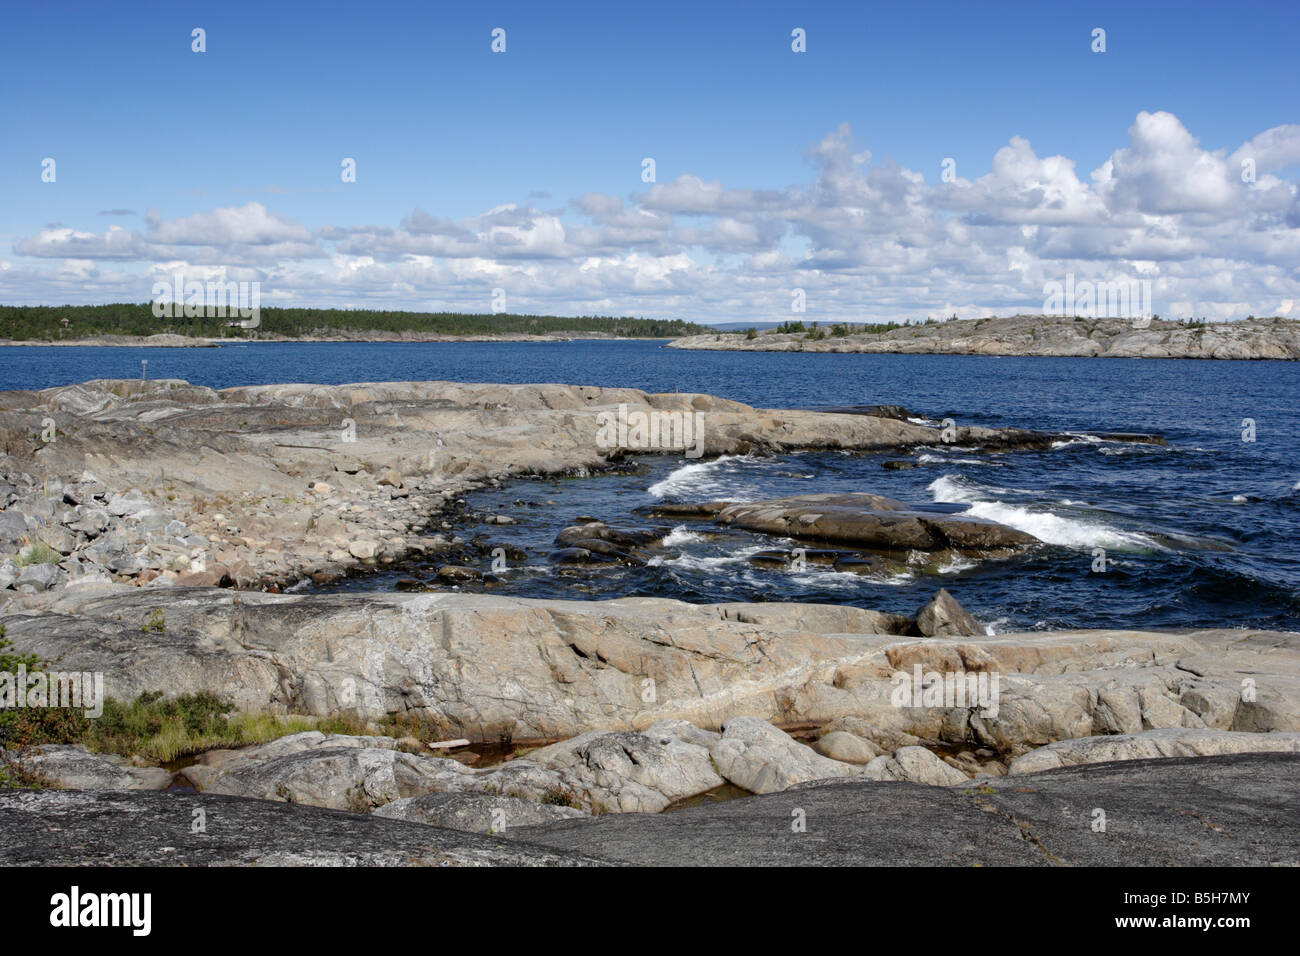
(1203, 533)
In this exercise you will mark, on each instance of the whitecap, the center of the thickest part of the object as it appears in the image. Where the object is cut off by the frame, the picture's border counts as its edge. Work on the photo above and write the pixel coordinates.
(1043, 525)
(940, 460)
(681, 535)
(1078, 439)
(956, 565)
(696, 480)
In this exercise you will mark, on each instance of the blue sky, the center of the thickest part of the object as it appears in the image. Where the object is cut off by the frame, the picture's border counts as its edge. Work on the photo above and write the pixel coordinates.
(258, 124)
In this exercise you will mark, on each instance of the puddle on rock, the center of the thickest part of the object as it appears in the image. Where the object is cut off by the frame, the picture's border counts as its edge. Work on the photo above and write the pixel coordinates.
(728, 791)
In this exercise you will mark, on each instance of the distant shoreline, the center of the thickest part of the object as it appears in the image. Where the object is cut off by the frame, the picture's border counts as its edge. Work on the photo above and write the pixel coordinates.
(1029, 336)
(192, 342)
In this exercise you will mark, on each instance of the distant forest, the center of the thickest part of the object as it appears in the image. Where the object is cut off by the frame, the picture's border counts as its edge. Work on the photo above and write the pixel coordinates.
(82, 321)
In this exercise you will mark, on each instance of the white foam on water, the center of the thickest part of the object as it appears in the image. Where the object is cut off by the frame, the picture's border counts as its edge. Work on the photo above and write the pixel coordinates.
(956, 565)
(681, 535)
(957, 489)
(1078, 439)
(888, 578)
(940, 460)
(1044, 525)
(702, 562)
(1130, 449)
(834, 580)
(695, 480)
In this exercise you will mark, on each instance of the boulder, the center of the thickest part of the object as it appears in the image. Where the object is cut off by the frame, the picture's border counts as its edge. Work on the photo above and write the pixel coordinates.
(914, 765)
(944, 617)
(846, 747)
(636, 772)
(760, 758)
(72, 767)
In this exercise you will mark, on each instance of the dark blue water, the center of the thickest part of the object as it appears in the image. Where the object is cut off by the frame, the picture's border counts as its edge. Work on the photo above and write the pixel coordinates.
(1202, 533)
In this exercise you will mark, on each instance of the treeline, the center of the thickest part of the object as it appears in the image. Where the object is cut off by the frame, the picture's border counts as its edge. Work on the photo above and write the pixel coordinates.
(83, 321)
(839, 330)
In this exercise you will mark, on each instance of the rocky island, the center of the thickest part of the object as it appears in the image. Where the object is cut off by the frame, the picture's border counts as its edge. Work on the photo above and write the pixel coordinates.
(1039, 335)
(160, 535)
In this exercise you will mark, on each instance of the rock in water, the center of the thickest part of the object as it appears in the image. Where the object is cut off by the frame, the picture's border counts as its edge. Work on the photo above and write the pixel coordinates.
(944, 617)
(873, 522)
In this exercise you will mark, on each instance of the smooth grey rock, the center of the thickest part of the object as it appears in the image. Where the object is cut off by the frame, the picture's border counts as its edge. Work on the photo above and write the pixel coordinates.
(133, 502)
(1204, 811)
(914, 765)
(13, 526)
(636, 772)
(72, 767)
(609, 772)
(846, 747)
(39, 576)
(763, 759)
(1149, 744)
(475, 812)
(117, 828)
(363, 550)
(871, 521)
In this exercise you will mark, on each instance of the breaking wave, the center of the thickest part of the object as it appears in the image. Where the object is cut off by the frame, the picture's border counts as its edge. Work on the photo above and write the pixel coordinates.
(1068, 532)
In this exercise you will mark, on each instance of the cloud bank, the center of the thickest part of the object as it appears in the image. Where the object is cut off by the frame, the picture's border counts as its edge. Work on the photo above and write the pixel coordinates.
(1218, 232)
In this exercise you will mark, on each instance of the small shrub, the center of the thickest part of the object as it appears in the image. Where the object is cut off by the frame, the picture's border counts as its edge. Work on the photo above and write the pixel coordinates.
(38, 552)
(560, 797)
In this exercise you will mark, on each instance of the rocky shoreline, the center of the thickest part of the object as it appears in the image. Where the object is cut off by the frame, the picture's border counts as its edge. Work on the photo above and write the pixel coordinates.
(1035, 335)
(174, 341)
(163, 482)
(153, 527)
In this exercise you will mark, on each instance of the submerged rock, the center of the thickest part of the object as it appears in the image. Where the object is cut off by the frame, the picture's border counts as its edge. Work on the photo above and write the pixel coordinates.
(872, 522)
